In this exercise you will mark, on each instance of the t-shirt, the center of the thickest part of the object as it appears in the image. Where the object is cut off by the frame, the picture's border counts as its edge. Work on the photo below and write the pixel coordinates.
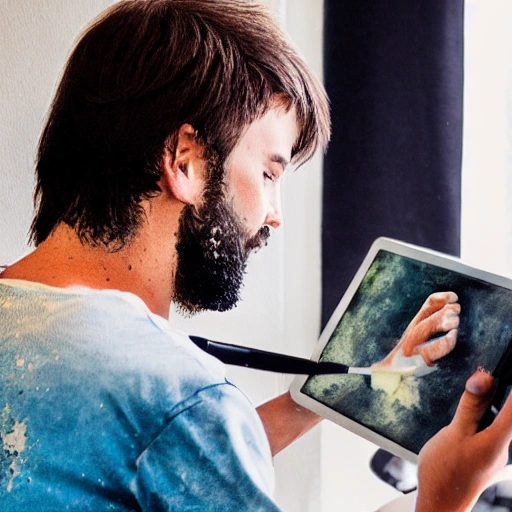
(104, 407)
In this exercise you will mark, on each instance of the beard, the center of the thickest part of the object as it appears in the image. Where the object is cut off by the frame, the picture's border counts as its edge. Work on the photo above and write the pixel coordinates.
(212, 248)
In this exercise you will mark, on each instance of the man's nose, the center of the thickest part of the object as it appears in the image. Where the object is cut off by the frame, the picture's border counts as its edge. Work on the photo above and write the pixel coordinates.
(274, 216)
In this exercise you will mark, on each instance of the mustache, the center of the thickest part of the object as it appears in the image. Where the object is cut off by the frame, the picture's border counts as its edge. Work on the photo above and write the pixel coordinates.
(259, 240)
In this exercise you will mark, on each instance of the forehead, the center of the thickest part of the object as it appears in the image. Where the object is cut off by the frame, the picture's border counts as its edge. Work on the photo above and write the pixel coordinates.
(273, 134)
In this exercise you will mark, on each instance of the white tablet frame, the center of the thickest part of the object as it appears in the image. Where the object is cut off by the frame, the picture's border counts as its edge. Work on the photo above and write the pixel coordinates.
(400, 248)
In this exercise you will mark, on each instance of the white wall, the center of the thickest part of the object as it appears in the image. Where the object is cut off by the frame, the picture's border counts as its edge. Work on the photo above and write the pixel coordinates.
(35, 37)
(487, 149)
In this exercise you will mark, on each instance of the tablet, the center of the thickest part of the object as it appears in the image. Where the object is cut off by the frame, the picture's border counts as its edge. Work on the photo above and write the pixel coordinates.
(391, 291)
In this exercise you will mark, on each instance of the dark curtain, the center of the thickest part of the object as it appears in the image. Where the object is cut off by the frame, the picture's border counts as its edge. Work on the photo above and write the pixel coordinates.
(393, 72)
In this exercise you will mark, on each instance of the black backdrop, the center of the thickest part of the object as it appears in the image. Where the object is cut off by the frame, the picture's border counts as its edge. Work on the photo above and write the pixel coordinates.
(394, 74)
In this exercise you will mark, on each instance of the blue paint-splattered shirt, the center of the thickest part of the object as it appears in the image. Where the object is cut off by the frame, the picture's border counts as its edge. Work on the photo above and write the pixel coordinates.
(104, 407)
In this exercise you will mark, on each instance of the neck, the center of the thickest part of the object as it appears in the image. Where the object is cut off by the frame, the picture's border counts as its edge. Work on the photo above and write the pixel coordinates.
(145, 267)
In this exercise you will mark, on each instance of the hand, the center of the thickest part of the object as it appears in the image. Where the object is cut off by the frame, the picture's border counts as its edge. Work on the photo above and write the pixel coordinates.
(439, 314)
(458, 463)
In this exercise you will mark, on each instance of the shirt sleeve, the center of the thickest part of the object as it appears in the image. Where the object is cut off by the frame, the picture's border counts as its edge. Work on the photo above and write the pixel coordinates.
(212, 456)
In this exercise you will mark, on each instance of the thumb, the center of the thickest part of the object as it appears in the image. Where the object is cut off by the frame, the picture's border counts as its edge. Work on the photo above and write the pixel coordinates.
(474, 401)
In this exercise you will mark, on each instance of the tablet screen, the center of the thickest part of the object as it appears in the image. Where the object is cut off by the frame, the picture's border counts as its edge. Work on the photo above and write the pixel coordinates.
(400, 413)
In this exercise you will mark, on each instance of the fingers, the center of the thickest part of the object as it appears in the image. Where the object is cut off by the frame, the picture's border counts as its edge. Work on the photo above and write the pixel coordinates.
(438, 348)
(438, 314)
(474, 402)
(434, 302)
(441, 320)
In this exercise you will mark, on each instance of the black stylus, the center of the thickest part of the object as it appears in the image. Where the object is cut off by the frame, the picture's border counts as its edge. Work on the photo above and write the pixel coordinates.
(271, 361)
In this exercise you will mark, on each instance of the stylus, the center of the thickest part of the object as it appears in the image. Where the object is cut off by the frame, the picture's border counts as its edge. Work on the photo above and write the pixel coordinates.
(270, 361)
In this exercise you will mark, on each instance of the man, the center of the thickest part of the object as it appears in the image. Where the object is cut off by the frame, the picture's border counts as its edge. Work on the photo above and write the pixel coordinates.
(158, 172)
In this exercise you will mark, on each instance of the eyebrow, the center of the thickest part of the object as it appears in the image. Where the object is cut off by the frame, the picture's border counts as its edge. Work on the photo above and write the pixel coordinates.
(279, 159)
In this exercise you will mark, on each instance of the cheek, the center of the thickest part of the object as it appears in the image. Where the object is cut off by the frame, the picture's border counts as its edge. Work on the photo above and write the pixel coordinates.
(248, 201)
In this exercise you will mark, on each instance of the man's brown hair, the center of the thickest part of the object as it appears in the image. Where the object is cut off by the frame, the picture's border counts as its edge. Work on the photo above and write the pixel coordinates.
(142, 70)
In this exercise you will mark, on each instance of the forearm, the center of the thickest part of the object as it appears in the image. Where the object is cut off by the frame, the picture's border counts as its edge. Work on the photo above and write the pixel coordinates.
(285, 421)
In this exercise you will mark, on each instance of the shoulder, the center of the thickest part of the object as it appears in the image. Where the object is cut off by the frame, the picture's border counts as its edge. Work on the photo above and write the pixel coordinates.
(109, 338)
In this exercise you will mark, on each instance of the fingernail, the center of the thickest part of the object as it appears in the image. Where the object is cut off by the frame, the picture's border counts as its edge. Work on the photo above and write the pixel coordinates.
(479, 385)
(475, 386)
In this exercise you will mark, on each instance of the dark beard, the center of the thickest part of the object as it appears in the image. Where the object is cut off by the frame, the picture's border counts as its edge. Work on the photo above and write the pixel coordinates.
(212, 251)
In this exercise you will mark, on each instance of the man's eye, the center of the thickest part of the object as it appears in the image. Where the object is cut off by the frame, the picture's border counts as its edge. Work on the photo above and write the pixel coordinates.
(268, 176)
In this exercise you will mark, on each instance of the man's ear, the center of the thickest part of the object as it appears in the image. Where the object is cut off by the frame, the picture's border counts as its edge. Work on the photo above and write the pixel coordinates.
(183, 172)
